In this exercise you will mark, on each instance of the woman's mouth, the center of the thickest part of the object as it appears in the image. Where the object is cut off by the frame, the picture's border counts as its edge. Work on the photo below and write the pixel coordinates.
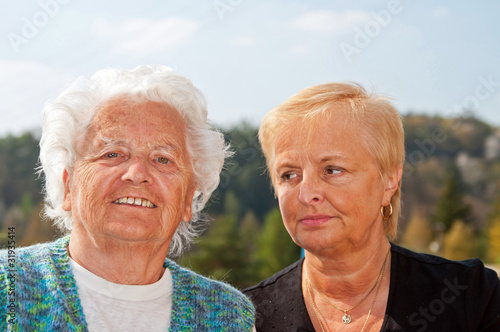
(135, 201)
(314, 220)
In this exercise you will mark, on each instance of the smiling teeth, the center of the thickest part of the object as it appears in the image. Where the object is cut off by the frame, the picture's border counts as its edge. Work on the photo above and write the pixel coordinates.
(134, 201)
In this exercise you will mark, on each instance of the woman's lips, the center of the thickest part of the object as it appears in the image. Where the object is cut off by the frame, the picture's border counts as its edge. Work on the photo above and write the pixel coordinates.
(314, 220)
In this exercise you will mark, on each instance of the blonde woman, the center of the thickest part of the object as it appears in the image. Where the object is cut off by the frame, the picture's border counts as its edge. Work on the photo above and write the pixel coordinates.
(335, 155)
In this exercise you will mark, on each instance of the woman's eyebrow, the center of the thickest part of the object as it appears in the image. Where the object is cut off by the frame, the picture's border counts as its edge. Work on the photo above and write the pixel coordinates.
(110, 141)
(167, 147)
(334, 157)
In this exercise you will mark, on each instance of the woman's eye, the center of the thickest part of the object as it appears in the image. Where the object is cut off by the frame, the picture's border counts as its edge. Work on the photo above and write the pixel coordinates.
(332, 171)
(163, 160)
(288, 176)
(112, 155)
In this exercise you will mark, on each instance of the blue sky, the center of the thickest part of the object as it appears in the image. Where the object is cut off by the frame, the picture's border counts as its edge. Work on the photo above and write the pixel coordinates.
(438, 57)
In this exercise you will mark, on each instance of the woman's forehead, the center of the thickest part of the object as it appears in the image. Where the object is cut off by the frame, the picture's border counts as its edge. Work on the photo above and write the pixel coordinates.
(129, 122)
(320, 129)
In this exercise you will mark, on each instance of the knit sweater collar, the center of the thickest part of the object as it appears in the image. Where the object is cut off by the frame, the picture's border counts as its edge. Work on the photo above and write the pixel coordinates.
(189, 291)
(181, 302)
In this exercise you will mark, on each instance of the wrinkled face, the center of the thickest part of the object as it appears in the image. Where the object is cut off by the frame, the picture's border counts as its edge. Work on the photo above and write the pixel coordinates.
(329, 187)
(132, 179)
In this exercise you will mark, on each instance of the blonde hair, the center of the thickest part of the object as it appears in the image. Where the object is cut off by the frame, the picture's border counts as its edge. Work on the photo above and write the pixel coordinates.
(382, 128)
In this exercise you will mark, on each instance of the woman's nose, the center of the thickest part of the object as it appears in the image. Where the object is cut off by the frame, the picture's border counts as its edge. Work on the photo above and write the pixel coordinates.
(138, 171)
(310, 191)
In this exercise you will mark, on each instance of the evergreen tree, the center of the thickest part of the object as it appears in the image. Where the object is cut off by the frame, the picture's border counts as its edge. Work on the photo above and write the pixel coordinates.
(451, 206)
(231, 204)
(18, 160)
(275, 250)
(248, 234)
(218, 254)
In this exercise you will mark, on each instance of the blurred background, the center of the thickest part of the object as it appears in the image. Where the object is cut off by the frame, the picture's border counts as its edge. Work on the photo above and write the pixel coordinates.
(437, 60)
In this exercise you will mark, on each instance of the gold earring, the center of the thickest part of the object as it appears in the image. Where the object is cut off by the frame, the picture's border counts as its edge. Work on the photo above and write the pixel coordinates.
(390, 211)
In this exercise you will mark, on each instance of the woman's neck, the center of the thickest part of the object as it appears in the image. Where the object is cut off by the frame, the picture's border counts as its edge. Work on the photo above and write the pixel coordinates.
(346, 274)
(119, 261)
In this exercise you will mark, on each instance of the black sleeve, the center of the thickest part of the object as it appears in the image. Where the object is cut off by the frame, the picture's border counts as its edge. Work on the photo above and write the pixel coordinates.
(279, 302)
(483, 299)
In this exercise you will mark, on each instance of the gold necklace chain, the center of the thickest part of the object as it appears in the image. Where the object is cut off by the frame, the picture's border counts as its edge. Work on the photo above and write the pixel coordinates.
(316, 311)
(374, 298)
(348, 319)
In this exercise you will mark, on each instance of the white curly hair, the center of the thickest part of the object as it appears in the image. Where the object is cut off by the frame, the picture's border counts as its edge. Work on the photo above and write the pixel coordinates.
(68, 117)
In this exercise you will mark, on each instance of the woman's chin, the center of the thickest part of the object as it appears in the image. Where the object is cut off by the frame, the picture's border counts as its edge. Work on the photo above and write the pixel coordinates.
(316, 242)
(133, 233)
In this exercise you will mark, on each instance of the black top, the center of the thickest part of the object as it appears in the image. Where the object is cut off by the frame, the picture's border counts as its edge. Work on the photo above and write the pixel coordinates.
(427, 293)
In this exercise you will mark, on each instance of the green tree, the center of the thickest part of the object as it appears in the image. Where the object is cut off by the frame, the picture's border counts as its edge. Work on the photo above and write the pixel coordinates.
(244, 175)
(18, 159)
(219, 253)
(231, 203)
(19, 187)
(248, 234)
(275, 250)
(451, 206)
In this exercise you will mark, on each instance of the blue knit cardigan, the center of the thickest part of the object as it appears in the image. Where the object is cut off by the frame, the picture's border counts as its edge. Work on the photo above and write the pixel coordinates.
(38, 292)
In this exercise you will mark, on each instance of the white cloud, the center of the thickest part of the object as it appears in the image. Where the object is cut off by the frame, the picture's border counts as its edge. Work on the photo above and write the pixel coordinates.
(24, 88)
(325, 21)
(301, 49)
(244, 41)
(441, 12)
(142, 37)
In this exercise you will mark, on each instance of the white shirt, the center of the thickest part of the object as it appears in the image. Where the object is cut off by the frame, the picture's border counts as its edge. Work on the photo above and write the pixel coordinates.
(113, 307)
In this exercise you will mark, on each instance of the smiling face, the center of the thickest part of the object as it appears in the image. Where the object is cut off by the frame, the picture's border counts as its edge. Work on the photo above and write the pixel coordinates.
(329, 187)
(132, 179)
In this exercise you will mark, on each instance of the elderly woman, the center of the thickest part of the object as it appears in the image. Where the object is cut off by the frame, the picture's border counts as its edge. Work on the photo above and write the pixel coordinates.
(129, 161)
(335, 155)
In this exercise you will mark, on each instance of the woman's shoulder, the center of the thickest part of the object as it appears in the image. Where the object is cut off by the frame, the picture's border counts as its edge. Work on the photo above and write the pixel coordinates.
(279, 301)
(198, 296)
(407, 259)
(34, 257)
(429, 291)
(195, 283)
(290, 274)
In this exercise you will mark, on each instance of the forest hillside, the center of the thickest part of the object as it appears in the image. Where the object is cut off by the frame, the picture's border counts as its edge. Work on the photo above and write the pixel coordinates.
(451, 200)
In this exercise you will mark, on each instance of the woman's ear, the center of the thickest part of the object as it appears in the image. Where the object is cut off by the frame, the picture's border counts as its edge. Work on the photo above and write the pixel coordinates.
(188, 209)
(67, 192)
(393, 179)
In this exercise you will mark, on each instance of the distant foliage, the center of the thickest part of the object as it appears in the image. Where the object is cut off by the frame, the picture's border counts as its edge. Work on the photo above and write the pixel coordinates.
(244, 175)
(494, 241)
(459, 242)
(451, 206)
(493, 233)
(20, 191)
(275, 248)
(247, 242)
(220, 253)
(418, 234)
